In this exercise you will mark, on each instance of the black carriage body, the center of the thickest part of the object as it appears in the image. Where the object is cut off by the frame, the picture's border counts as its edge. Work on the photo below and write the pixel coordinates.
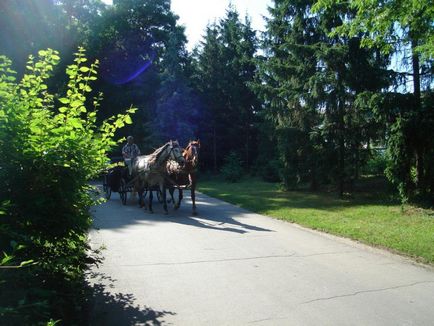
(114, 177)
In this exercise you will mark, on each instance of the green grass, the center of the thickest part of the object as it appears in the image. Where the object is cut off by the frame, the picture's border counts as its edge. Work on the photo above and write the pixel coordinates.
(370, 216)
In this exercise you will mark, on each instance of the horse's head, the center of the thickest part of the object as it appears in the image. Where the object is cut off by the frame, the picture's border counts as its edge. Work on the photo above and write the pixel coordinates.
(191, 152)
(175, 152)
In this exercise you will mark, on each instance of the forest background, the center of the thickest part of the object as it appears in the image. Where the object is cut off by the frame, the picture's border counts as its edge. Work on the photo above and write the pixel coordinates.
(330, 93)
(329, 90)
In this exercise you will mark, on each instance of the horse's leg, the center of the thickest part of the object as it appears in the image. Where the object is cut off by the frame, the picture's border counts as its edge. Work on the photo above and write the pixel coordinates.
(150, 200)
(145, 194)
(171, 191)
(163, 191)
(178, 204)
(140, 199)
(145, 199)
(193, 193)
(140, 189)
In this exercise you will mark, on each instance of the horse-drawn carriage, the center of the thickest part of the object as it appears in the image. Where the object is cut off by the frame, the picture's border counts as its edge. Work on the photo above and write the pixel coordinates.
(117, 179)
(168, 167)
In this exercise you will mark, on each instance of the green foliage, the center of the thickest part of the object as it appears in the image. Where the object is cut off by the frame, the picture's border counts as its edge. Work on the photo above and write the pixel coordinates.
(225, 70)
(310, 83)
(232, 170)
(388, 24)
(376, 165)
(400, 27)
(270, 170)
(50, 147)
(132, 38)
(177, 111)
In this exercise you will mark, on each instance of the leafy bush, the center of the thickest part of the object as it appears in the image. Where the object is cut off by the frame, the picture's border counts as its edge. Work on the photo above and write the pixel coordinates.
(269, 171)
(376, 165)
(50, 147)
(232, 169)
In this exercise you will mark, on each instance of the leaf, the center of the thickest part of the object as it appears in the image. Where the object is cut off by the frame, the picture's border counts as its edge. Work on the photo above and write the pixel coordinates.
(76, 103)
(36, 129)
(76, 123)
(64, 100)
(84, 69)
(128, 120)
(119, 124)
(6, 259)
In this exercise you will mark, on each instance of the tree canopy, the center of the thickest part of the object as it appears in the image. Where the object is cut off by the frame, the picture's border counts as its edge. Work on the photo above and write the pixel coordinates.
(332, 91)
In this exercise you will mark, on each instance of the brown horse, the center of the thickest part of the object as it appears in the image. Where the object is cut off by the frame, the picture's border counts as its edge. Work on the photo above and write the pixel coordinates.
(150, 170)
(184, 176)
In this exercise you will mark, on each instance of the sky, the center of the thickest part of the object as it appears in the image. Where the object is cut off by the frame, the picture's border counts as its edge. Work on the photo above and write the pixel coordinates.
(196, 14)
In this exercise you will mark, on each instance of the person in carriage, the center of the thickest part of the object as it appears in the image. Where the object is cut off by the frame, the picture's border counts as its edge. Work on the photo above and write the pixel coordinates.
(130, 151)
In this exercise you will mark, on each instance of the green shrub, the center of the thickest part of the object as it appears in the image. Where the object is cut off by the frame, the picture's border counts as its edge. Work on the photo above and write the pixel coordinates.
(269, 171)
(232, 169)
(50, 147)
(376, 165)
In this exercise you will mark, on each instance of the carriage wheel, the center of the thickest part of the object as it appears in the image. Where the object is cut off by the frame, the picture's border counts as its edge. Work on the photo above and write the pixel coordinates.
(106, 188)
(123, 191)
(159, 196)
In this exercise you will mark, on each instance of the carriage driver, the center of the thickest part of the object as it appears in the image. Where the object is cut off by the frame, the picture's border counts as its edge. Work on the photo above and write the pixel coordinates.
(130, 151)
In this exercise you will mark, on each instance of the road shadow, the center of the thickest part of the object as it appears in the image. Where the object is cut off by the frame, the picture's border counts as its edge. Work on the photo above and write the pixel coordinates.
(113, 309)
(213, 214)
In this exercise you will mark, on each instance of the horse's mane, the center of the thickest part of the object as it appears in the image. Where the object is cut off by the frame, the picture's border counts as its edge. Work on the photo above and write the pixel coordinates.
(157, 153)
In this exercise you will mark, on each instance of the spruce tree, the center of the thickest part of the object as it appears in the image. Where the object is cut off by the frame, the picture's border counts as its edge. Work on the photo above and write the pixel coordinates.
(225, 69)
(309, 82)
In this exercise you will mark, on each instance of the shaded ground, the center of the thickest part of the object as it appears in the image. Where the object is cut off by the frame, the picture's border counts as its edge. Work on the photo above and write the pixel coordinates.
(111, 308)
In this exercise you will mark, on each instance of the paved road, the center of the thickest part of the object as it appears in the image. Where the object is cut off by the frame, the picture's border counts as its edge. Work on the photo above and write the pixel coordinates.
(232, 267)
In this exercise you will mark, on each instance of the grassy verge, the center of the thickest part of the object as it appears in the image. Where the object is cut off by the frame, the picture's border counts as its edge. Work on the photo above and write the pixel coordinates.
(370, 217)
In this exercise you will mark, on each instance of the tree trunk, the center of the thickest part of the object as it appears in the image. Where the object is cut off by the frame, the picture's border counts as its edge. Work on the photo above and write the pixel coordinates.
(313, 177)
(247, 148)
(214, 141)
(419, 150)
(357, 172)
(416, 74)
(341, 136)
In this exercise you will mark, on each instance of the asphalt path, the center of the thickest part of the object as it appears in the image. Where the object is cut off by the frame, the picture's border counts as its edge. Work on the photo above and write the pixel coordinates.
(228, 266)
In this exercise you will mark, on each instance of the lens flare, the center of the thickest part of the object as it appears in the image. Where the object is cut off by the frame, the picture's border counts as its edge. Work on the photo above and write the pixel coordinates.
(126, 61)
